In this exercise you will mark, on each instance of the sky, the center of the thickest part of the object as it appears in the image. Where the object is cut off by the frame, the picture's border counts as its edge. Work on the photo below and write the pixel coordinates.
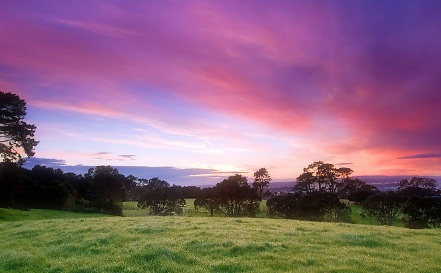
(194, 91)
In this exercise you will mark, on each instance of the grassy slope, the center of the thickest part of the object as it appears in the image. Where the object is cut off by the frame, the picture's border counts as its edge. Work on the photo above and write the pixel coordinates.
(205, 244)
(41, 214)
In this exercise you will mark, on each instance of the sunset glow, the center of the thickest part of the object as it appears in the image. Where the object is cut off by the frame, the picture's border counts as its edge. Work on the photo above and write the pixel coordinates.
(229, 86)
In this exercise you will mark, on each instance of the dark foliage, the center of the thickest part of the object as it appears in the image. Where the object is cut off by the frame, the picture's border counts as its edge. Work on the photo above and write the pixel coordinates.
(48, 188)
(40, 187)
(323, 206)
(362, 195)
(162, 199)
(418, 182)
(267, 194)
(315, 206)
(15, 133)
(283, 205)
(208, 200)
(350, 186)
(261, 181)
(236, 197)
(320, 176)
(106, 183)
(191, 191)
(420, 212)
(385, 207)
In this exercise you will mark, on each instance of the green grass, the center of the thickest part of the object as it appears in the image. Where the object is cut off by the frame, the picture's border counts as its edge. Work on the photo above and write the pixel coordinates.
(212, 244)
(130, 209)
(41, 214)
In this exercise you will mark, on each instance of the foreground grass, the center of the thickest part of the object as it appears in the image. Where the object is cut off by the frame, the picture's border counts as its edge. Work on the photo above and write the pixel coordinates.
(41, 214)
(204, 244)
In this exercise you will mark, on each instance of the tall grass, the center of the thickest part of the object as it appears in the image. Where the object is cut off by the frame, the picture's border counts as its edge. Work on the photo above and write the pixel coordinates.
(213, 244)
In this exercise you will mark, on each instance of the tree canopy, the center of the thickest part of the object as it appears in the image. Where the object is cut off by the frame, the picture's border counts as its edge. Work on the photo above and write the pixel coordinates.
(16, 136)
(261, 180)
(321, 176)
(162, 199)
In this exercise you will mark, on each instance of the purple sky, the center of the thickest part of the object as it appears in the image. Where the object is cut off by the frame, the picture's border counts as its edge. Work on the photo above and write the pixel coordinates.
(229, 86)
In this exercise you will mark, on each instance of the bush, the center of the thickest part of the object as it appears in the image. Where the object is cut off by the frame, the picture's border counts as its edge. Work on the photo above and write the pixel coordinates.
(315, 206)
(361, 195)
(385, 207)
(283, 205)
(422, 212)
(162, 199)
(108, 207)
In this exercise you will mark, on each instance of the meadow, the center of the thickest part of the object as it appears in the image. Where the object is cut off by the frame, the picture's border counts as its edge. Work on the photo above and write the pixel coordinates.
(80, 243)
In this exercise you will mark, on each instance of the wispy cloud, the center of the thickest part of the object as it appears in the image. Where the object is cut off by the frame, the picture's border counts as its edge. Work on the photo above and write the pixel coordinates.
(421, 156)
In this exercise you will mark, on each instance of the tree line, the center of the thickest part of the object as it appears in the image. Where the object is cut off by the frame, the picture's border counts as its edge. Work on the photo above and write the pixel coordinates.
(102, 189)
(320, 188)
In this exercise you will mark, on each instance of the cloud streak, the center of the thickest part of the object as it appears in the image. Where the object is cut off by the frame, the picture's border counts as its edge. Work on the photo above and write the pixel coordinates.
(421, 156)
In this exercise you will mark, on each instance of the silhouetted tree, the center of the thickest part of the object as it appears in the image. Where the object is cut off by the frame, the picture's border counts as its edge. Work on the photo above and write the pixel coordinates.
(162, 199)
(322, 206)
(321, 176)
(106, 183)
(15, 133)
(236, 197)
(349, 186)
(14, 181)
(261, 181)
(191, 191)
(305, 183)
(283, 205)
(314, 206)
(420, 212)
(267, 194)
(385, 207)
(418, 186)
(208, 200)
(363, 194)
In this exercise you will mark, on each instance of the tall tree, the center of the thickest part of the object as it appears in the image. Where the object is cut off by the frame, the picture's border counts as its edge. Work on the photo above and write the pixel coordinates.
(261, 180)
(16, 136)
(322, 176)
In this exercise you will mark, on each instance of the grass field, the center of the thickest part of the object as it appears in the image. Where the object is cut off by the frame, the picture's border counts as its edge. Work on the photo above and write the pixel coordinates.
(210, 244)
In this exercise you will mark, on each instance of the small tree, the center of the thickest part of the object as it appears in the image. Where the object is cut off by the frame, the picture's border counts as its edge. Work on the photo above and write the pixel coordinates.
(385, 207)
(162, 199)
(421, 212)
(236, 197)
(15, 134)
(208, 200)
(283, 205)
(322, 206)
(261, 181)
